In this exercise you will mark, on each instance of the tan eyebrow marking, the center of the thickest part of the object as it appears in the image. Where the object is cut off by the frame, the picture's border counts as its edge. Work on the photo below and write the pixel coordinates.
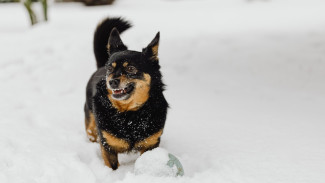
(125, 64)
(114, 64)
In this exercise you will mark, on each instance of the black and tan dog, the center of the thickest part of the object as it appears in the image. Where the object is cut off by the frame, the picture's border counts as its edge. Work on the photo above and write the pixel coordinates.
(125, 107)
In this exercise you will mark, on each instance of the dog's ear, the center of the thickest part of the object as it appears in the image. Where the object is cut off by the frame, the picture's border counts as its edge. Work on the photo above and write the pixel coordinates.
(115, 43)
(151, 50)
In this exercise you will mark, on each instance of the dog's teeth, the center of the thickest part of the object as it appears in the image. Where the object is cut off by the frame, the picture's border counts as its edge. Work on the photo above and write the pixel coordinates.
(119, 91)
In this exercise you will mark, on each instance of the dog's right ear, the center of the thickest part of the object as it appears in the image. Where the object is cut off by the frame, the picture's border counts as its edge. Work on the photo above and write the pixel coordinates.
(115, 43)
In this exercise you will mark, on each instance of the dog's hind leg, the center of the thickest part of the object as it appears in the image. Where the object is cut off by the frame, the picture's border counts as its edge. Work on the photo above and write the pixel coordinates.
(90, 125)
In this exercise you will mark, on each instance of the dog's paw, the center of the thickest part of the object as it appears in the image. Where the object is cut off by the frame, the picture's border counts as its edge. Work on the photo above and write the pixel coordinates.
(92, 136)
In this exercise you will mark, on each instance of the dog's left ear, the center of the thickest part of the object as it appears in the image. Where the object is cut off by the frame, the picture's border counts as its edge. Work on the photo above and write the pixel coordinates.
(151, 50)
(115, 43)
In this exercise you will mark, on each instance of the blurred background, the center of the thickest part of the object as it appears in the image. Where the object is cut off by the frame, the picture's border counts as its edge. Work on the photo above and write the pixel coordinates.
(245, 83)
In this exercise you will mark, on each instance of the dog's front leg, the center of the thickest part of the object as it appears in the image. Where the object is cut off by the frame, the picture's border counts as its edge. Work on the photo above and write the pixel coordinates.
(110, 157)
(149, 143)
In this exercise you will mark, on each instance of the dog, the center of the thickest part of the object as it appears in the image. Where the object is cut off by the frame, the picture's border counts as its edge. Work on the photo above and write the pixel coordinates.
(125, 109)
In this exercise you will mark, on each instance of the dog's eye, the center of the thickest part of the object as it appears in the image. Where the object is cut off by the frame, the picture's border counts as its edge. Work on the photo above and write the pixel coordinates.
(131, 69)
(110, 69)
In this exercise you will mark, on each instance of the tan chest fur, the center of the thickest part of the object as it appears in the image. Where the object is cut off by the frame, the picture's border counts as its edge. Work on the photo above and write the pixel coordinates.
(120, 145)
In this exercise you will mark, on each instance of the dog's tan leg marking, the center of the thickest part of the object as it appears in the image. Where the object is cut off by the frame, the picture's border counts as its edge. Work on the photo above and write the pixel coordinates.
(117, 144)
(91, 128)
(110, 159)
(105, 156)
(137, 99)
(149, 142)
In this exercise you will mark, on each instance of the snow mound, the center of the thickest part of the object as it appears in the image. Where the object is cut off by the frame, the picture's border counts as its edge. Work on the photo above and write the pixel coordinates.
(157, 162)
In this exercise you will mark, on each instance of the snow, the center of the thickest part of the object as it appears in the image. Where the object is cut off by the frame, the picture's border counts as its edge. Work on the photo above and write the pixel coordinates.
(245, 82)
(154, 163)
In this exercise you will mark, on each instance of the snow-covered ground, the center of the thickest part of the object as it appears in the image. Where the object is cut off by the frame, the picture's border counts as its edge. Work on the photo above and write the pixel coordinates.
(245, 82)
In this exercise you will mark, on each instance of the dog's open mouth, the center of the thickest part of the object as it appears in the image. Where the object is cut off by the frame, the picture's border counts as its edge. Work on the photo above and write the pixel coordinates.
(123, 93)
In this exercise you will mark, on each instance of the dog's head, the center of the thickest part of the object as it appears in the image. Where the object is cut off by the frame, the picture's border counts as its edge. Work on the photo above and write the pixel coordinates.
(130, 73)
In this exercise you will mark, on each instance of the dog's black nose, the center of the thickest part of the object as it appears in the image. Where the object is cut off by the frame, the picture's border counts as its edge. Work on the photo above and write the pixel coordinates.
(114, 83)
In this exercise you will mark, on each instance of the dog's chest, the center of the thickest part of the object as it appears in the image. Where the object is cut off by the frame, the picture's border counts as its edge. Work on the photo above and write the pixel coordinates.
(131, 125)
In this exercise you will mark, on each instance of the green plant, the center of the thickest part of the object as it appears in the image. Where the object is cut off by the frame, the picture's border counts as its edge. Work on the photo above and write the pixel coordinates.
(9, 1)
(32, 16)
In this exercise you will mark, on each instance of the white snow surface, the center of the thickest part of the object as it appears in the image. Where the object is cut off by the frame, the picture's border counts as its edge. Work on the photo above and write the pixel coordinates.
(154, 163)
(245, 82)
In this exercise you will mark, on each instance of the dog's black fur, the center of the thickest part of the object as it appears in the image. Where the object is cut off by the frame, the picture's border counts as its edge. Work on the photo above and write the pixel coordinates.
(124, 119)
